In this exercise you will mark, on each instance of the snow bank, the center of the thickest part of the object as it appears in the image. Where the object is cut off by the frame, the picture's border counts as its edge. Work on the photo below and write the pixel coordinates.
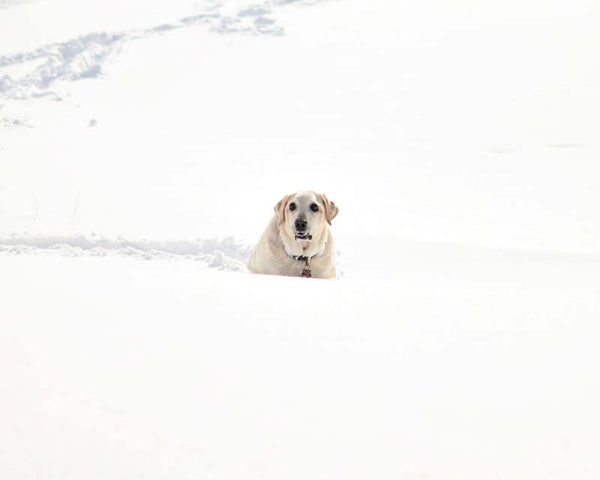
(223, 254)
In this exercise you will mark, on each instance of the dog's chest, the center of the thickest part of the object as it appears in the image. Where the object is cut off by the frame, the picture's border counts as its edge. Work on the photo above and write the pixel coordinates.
(302, 266)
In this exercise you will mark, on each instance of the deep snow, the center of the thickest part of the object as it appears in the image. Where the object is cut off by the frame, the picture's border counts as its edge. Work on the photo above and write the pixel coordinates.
(119, 368)
(143, 145)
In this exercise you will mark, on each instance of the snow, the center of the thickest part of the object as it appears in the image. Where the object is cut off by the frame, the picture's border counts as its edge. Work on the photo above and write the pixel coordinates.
(225, 253)
(160, 369)
(143, 146)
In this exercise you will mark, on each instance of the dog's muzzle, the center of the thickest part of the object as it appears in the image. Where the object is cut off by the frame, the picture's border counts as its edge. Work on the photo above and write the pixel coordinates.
(302, 229)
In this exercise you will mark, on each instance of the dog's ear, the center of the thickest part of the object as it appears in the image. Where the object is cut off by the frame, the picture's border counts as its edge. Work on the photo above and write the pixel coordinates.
(280, 209)
(331, 209)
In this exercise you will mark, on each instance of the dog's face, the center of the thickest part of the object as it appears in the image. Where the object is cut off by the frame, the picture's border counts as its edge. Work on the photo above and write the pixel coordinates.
(305, 214)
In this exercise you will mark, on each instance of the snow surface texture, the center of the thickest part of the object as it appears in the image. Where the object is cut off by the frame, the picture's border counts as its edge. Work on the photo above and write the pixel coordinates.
(223, 254)
(85, 56)
(143, 145)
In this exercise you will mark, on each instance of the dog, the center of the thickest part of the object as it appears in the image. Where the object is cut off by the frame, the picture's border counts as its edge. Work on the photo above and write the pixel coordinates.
(297, 241)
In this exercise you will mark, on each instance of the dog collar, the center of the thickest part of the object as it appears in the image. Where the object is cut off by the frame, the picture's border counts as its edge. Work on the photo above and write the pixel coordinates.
(306, 271)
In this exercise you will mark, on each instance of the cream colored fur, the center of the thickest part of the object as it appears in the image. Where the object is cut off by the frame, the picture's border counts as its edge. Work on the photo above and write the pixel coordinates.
(274, 252)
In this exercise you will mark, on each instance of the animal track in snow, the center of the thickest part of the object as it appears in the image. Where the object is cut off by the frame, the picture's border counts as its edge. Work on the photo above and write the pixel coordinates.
(36, 73)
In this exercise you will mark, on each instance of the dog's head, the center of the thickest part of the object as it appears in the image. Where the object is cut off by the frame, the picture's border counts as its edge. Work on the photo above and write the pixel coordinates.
(305, 214)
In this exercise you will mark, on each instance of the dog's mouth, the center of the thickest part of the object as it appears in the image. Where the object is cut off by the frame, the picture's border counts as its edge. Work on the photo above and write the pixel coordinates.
(303, 236)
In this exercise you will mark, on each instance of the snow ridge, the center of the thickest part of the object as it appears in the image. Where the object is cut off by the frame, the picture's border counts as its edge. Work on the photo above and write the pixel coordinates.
(222, 254)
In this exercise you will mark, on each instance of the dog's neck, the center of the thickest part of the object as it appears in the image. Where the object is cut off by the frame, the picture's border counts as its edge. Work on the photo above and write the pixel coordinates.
(305, 245)
(304, 248)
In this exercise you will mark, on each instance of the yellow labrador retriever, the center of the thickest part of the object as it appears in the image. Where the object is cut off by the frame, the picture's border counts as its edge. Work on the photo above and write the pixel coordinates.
(297, 241)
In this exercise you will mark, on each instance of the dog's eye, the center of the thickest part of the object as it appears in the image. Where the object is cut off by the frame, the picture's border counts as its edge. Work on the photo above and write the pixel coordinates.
(292, 206)
(314, 207)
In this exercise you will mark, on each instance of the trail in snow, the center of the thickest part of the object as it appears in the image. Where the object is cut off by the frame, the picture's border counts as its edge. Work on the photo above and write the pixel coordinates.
(75, 59)
(221, 254)
(33, 74)
(12, 3)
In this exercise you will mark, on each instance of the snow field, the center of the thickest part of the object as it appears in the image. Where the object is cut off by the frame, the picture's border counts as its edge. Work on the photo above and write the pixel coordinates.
(142, 148)
(266, 377)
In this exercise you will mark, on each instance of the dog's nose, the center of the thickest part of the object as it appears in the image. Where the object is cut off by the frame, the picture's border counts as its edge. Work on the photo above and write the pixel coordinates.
(301, 225)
